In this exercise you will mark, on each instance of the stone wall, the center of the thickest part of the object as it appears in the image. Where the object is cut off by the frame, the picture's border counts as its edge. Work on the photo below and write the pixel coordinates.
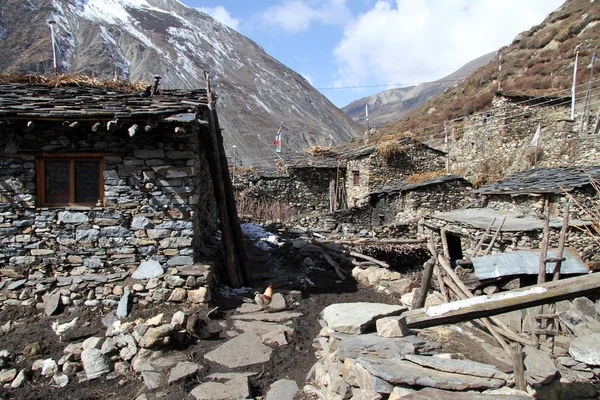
(375, 172)
(406, 207)
(158, 200)
(499, 142)
(303, 190)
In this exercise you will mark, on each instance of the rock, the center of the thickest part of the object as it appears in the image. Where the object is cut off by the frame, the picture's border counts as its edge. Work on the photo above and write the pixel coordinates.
(178, 295)
(539, 367)
(6, 327)
(52, 303)
(123, 307)
(392, 327)
(174, 281)
(585, 306)
(155, 335)
(586, 349)
(248, 308)
(401, 287)
(200, 295)
(148, 269)
(20, 379)
(95, 364)
(8, 375)
(354, 318)
(277, 302)
(235, 386)
(370, 385)
(268, 316)
(178, 320)
(152, 379)
(357, 346)
(436, 394)
(68, 217)
(16, 284)
(283, 389)
(32, 349)
(109, 319)
(156, 320)
(243, 350)
(61, 380)
(93, 343)
(465, 367)
(183, 370)
(405, 372)
(49, 367)
(399, 392)
(71, 368)
(130, 349)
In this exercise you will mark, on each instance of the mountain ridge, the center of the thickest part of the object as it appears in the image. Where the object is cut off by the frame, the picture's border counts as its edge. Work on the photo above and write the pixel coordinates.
(137, 39)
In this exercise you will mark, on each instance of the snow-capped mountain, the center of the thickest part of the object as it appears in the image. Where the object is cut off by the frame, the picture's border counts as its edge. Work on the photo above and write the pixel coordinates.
(137, 39)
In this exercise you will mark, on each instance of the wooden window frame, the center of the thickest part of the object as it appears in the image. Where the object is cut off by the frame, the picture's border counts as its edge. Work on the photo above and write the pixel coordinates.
(71, 158)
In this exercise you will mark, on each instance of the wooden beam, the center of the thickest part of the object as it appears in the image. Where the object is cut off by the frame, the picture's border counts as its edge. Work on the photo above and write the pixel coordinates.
(499, 303)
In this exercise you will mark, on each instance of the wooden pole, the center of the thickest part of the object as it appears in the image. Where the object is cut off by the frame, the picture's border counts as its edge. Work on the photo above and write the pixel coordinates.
(480, 243)
(231, 263)
(234, 220)
(499, 303)
(516, 352)
(487, 250)
(419, 300)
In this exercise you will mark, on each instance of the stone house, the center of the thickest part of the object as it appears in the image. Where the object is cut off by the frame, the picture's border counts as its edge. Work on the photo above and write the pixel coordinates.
(102, 178)
(499, 141)
(367, 170)
(408, 201)
(518, 200)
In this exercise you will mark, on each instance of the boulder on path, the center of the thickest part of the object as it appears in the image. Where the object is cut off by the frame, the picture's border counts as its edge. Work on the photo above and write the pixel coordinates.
(586, 349)
(243, 350)
(355, 318)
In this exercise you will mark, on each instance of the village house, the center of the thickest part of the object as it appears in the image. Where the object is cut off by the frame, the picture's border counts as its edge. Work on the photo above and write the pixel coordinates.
(514, 206)
(103, 179)
(372, 167)
(503, 139)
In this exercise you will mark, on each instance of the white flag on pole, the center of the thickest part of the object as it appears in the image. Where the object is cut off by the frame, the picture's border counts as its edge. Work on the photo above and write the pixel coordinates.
(536, 138)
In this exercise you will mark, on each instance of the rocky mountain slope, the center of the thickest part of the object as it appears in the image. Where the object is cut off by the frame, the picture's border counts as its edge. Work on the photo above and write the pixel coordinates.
(538, 61)
(392, 104)
(137, 39)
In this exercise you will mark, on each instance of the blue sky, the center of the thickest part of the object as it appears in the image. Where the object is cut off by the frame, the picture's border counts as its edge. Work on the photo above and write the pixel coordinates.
(343, 44)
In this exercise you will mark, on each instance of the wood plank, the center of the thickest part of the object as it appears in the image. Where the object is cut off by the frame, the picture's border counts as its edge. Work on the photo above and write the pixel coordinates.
(498, 303)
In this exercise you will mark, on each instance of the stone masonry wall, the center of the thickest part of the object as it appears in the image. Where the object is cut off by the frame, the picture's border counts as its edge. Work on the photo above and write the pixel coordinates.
(305, 190)
(376, 172)
(158, 201)
(499, 142)
(408, 206)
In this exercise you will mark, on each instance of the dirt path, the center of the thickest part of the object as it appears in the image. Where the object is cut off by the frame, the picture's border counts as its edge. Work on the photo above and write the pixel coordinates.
(312, 289)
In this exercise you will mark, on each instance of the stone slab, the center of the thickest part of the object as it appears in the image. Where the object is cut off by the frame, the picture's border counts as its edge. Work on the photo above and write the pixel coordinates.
(183, 370)
(539, 367)
(372, 345)
(436, 394)
(269, 316)
(408, 373)
(234, 388)
(52, 303)
(261, 328)
(148, 269)
(243, 350)
(355, 318)
(586, 349)
(283, 389)
(466, 367)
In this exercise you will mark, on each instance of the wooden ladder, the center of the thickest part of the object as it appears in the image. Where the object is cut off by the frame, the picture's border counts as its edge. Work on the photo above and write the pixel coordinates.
(488, 235)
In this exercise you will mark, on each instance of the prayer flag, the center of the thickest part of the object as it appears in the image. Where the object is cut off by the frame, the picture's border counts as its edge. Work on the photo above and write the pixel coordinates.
(277, 141)
(536, 138)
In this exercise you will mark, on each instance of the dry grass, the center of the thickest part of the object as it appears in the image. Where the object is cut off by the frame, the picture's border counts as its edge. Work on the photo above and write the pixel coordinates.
(389, 150)
(71, 80)
(425, 176)
(261, 210)
(319, 151)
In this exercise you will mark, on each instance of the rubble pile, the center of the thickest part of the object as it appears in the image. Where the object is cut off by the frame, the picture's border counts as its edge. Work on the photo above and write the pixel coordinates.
(365, 351)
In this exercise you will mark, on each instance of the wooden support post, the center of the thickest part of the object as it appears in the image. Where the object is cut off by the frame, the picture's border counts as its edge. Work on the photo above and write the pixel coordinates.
(518, 366)
(419, 300)
(489, 248)
(486, 233)
(536, 325)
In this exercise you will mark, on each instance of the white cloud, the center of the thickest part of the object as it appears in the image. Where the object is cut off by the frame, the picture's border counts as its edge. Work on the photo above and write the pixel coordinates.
(298, 15)
(422, 40)
(221, 14)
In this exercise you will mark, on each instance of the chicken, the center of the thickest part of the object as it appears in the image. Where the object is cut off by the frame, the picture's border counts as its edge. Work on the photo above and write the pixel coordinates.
(60, 330)
(263, 300)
